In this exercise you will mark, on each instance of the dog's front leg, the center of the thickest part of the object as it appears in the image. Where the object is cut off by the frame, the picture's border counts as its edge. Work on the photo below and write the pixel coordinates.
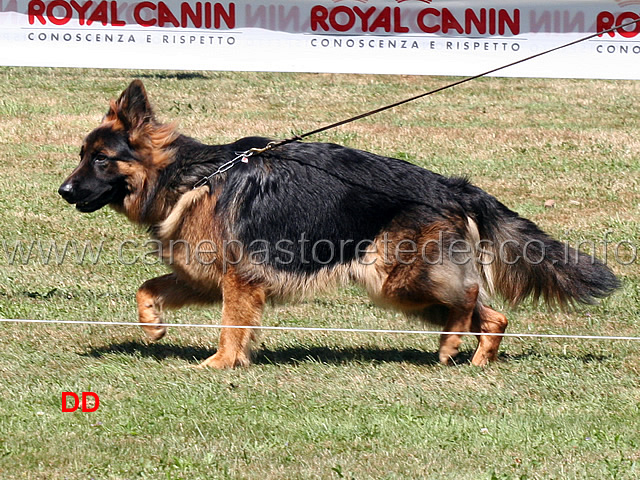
(242, 305)
(167, 291)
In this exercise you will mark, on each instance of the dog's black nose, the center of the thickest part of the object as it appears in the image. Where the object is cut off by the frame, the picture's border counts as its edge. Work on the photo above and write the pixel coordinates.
(66, 191)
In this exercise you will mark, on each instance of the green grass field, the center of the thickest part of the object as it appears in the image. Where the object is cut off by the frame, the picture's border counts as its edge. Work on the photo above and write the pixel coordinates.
(318, 405)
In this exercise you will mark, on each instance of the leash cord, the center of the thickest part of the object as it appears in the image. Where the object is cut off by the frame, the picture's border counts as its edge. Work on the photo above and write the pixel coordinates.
(444, 87)
(244, 156)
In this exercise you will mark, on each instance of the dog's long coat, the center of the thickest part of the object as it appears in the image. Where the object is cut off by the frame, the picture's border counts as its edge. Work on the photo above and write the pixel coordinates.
(306, 216)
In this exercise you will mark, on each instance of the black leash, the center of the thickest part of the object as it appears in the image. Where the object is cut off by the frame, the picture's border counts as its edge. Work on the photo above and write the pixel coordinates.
(244, 156)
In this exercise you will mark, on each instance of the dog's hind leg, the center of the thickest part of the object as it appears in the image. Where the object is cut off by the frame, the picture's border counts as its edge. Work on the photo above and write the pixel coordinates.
(487, 320)
(459, 320)
(242, 305)
(166, 291)
(423, 290)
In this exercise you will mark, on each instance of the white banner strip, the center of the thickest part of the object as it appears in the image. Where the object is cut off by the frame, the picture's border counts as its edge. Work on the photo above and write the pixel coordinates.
(424, 37)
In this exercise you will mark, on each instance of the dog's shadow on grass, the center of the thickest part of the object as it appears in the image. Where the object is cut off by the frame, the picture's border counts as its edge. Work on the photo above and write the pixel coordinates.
(276, 356)
(344, 355)
(158, 351)
(177, 75)
(302, 354)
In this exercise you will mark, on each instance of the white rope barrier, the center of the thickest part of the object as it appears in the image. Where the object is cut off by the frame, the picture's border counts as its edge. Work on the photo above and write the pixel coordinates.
(319, 329)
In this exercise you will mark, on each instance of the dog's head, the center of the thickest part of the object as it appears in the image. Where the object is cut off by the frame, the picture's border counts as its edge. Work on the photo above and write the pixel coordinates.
(119, 156)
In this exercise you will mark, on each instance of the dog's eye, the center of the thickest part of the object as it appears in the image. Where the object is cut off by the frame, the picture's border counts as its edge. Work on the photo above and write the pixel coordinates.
(100, 159)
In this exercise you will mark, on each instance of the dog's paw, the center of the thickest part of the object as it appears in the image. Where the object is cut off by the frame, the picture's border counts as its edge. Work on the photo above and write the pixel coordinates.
(154, 333)
(484, 358)
(446, 354)
(222, 361)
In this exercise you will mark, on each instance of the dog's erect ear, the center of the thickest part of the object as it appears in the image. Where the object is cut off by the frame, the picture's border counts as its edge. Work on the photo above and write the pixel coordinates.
(132, 108)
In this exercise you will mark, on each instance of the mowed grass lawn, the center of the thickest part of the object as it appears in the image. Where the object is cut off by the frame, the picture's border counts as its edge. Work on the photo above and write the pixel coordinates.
(318, 405)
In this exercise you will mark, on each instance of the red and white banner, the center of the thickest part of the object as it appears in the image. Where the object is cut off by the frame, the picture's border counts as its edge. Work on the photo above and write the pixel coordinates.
(424, 37)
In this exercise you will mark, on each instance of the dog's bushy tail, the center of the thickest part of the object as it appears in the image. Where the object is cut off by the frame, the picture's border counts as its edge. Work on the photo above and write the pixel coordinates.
(518, 260)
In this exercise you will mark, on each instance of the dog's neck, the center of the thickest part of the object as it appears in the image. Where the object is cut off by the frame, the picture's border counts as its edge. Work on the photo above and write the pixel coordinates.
(155, 193)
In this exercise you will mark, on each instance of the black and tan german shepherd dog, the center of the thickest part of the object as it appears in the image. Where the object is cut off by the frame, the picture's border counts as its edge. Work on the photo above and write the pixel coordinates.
(304, 217)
